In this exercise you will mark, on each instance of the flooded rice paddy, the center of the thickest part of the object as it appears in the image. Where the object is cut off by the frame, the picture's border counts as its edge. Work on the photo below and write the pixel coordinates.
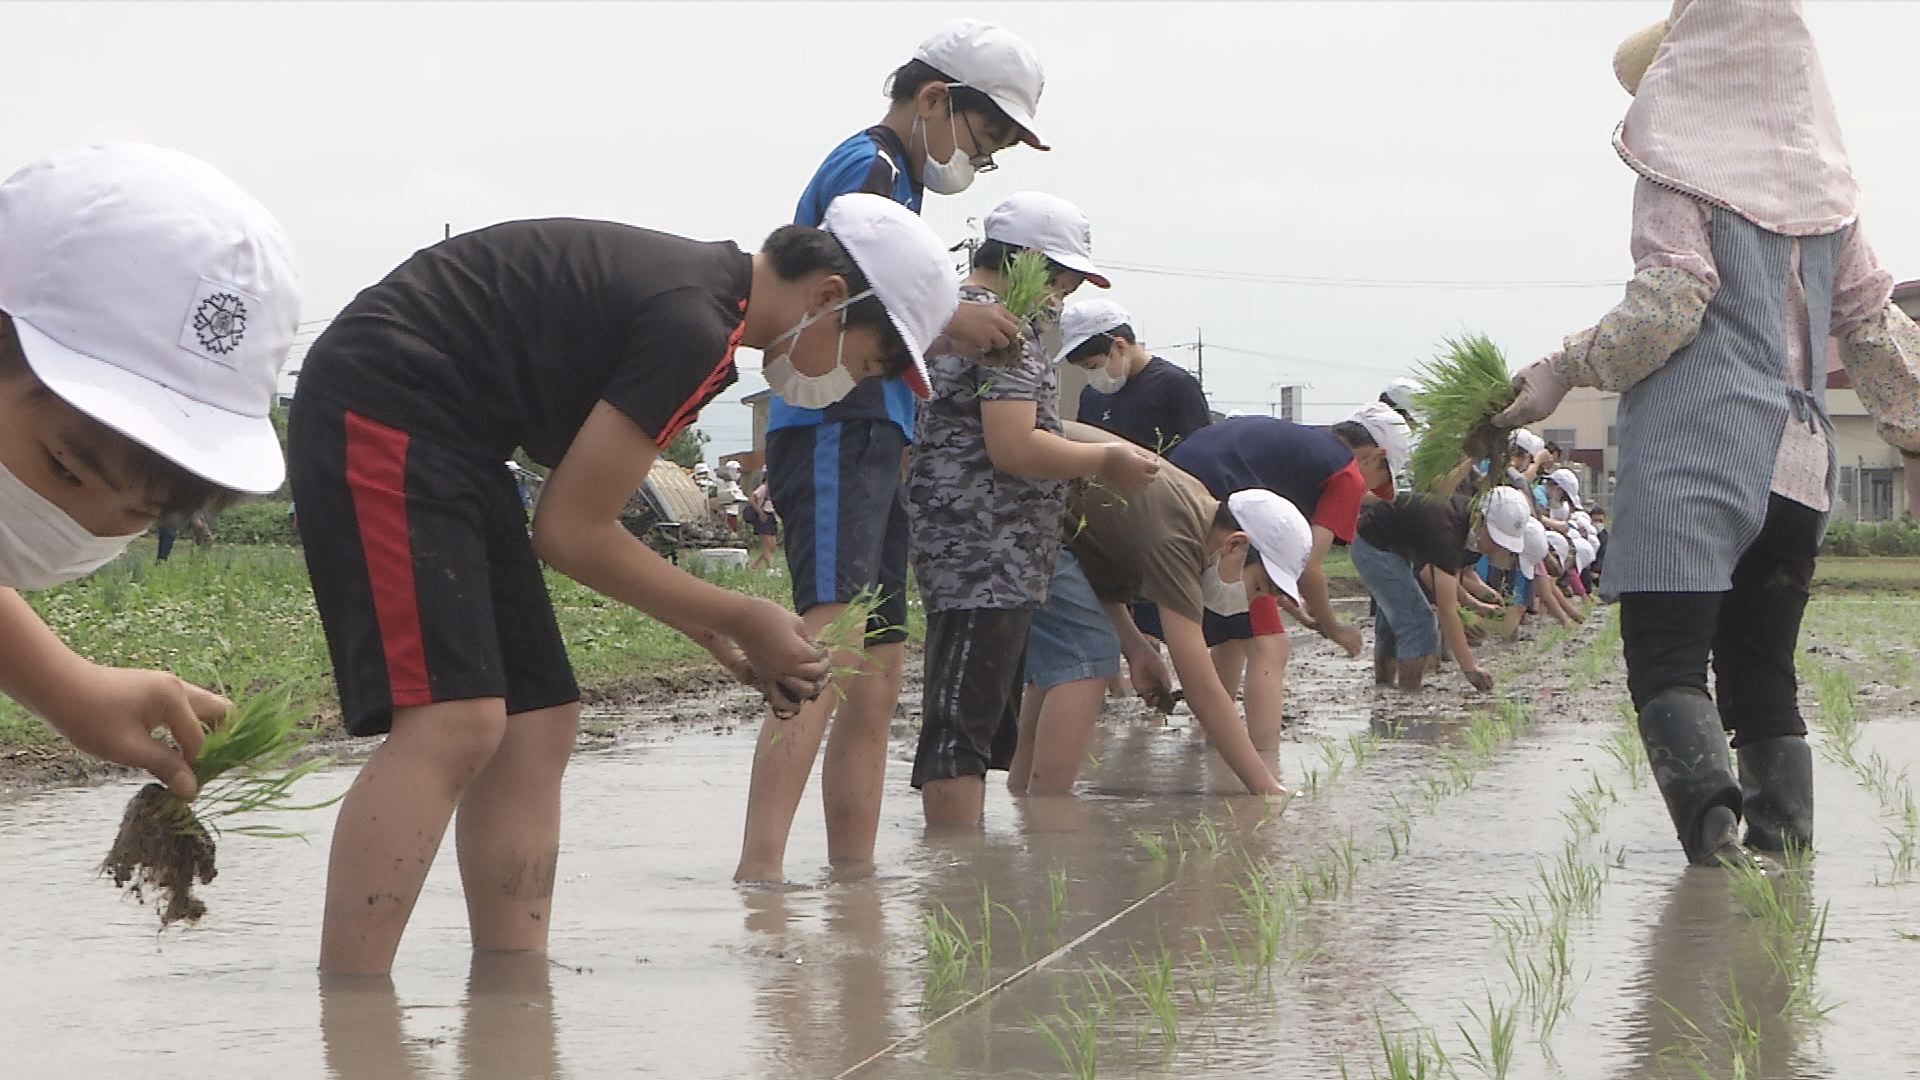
(1464, 886)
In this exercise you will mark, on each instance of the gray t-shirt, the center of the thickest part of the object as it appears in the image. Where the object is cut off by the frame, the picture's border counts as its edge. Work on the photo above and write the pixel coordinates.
(982, 538)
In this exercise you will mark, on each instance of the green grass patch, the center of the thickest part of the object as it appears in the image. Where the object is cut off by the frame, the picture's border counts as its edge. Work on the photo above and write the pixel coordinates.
(240, 619)
(1866, 573)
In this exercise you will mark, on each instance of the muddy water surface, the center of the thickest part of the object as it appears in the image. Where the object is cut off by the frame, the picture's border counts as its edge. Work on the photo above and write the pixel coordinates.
(660, 967)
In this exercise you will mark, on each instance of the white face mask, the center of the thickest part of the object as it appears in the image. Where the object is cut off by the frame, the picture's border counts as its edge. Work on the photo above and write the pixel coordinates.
(1562, 512)
(811, 391)
(949, 177)
(40, 545)
(1105, 382)
(1220, 596)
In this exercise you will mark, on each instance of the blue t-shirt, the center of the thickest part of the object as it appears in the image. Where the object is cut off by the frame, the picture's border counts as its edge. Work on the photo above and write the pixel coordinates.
(1514, 586)
(873, 162)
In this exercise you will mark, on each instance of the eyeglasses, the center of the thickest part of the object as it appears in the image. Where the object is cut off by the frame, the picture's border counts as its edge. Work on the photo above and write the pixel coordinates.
(981, 162)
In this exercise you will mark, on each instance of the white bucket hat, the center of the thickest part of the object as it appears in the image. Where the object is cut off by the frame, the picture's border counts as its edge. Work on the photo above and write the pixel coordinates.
(1506, 513)
(1401, 393)
(1389, 430)
(1533, 548)
(1566, 481)
(1558, 544)
(1528, 441)
(995, 61)
(1278, 532)
(152, 294)
(1088, 319)
(1050, 225)
(1584, 552)
(906, 265)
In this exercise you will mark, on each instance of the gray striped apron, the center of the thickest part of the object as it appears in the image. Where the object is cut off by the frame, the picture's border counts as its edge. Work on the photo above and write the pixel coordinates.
(1699, 437)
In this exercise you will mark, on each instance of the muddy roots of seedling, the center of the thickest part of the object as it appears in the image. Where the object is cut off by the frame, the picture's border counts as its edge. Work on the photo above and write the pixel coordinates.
(154, 854)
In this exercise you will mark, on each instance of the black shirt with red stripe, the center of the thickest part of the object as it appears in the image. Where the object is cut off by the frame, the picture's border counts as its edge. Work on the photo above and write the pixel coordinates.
(507, 337)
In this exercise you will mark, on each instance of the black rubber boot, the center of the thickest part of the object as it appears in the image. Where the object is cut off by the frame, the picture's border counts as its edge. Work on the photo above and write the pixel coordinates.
(1688, 751)
(1776, 777)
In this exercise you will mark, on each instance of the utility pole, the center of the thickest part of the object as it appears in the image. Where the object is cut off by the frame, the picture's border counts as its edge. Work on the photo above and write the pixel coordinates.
(1200, 358)
(446, 231)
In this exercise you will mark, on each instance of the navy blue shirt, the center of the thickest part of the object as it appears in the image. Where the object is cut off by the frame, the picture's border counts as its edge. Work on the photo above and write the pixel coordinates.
(873, 162)
(1309, 467)
(1157, 409)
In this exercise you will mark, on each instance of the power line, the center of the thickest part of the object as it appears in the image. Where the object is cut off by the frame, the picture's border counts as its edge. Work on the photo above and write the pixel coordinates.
(1311, 281)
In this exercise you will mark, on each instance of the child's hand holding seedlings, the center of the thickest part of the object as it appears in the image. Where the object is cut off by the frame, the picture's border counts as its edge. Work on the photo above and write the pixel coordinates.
(1127, 468)
(781, 653)
(978, 328)
(112, 713)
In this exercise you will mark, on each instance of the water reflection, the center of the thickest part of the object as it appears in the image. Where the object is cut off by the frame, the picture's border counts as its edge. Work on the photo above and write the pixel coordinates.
(1713, 1003)
(828, 995)
(507, 1029)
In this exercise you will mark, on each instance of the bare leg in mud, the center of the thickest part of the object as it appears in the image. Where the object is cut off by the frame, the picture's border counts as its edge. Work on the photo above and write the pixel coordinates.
(1230, 662)
(955, 804)
(1266, 688)
(1413, 673)
(1055, 727)
(391, 824)
(860, 708)
(855, 773)
(508, 831)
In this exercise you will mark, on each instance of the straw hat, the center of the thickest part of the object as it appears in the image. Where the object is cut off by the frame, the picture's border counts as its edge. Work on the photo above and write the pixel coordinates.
(1635, 55)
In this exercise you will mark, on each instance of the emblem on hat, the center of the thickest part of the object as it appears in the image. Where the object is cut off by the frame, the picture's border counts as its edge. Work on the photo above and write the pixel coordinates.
(220, 322)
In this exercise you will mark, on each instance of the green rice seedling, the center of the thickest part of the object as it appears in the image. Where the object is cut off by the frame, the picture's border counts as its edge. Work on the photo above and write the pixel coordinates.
(1209, 835)
(246, 766)
(1310, 783)
(1347, 852)
(1266, 909)
(1336, 760)
(1499, 1032)
(986, 922)
(1076, 1038)
(1901, 852)
(1027, 292)
(1460, 391)
(1056, 897)
(1361, 746)
(1153, 987)
(1626, 750)
(949, 955)
(1152, 843)
(1409, 1056)
(1905, 935)
(1203, 978)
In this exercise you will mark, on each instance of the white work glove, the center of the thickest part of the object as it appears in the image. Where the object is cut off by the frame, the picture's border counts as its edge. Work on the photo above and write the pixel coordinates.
(1540, 386)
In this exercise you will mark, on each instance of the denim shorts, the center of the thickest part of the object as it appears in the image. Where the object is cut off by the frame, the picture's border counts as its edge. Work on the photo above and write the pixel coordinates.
(1072, 638)
(1405, 626)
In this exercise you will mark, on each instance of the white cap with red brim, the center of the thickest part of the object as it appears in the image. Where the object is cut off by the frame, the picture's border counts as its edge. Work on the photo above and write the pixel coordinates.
(906, 265)
(1278, 532)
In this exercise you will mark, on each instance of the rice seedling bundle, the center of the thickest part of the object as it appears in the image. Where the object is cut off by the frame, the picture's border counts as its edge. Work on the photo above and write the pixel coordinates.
(245, 766)
(1027, 296)
(1461, 390)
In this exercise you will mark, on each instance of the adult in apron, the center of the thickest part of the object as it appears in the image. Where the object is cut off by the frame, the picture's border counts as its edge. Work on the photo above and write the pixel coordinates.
(1748, 257)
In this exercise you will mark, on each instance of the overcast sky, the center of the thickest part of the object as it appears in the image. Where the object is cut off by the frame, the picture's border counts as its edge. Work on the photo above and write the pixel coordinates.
(1373, 144)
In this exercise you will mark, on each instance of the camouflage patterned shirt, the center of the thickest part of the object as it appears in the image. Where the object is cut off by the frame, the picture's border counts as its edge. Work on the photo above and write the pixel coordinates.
(982, 538)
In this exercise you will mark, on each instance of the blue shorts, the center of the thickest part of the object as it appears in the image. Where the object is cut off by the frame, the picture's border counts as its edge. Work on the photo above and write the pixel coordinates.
(1405, 626)
(844, 506)
(1071, 638)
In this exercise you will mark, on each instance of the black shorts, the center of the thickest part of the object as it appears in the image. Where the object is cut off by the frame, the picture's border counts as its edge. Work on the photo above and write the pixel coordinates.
(970, 711)
(762, 524)
(843, 504)
(422, 570)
